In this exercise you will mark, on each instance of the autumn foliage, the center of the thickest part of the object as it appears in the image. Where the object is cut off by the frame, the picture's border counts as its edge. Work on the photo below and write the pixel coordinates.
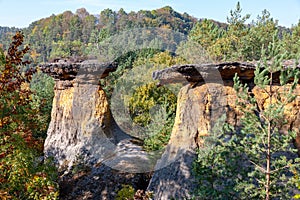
(19, 169)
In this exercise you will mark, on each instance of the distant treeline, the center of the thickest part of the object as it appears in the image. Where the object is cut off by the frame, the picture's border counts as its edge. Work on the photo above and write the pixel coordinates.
(78, 34)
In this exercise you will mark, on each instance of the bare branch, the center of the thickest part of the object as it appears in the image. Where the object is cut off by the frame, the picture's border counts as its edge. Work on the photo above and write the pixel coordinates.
(259, 167)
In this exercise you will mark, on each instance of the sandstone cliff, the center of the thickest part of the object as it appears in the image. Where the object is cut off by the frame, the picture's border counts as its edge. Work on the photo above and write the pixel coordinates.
(83, 137)
(82, 126)
(201, 104)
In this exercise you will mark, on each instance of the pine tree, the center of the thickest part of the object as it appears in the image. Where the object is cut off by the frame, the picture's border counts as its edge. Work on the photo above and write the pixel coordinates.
(268, 150)
(257, 160)
(260, 35)
(236, 32)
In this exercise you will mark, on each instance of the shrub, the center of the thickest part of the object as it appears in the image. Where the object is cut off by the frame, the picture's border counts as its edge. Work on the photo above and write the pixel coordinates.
(21, 175)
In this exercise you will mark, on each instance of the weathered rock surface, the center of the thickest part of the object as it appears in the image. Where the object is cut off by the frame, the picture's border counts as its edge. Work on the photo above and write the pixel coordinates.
(197, 73)
(99, 183)
(88, 70)
(82, 128)
(200, 106)
(204, 72)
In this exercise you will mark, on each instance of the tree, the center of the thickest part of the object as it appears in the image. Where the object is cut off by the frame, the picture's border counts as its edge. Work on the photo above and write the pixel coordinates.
(265, 122)
(21, 175)
(263, 153)
(206, 33)
(218, 166)
(42, 87)
(292, 40)
(88, 25)
(2, 57)
(236, 31)
(108, 19)
(260, 35)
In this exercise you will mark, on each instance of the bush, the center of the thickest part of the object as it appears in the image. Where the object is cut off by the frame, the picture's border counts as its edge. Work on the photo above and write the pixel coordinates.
(127, 192)
(22, 176)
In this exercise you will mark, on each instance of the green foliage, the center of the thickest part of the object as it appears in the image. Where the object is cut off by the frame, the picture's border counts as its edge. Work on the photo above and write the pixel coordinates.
(127, 192)
(143, 105)
(22, 176)
(260, 35)
(239, 41)
(257, 161)
(150, 108)
(219, 163)
(206, 33)
(2, 57)
(42, 87)
(235, 32)
(6, 33)
(146, 97)
(266, 146)
(65, 49)
(125, 63)
(81, 33)
(291, 40)
(158, 133)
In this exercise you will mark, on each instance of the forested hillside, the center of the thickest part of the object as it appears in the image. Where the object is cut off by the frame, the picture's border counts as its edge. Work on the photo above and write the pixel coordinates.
(72, 34)
(6, 33)
(26, 93)
(78, 34)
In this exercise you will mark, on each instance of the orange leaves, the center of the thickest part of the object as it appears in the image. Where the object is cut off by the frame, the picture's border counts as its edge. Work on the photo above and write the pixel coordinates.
(33, 142)
(15, 95)
(11, 78)
(18, 123)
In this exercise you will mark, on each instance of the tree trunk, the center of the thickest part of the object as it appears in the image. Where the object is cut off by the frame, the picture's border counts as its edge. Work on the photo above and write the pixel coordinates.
(268, 171)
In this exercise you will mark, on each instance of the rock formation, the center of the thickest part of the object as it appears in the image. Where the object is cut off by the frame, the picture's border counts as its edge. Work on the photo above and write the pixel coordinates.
(82, 128)
(201, 105)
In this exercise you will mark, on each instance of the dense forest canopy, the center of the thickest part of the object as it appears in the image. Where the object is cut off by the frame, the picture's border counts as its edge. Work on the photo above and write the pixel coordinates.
(80, 33)
(83, 35)
(71, 34)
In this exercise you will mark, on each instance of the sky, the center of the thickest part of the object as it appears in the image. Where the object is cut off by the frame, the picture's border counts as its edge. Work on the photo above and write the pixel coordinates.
(17, 13)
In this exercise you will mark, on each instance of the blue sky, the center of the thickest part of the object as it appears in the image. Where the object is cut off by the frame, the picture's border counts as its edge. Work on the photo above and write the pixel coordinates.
(21, 13)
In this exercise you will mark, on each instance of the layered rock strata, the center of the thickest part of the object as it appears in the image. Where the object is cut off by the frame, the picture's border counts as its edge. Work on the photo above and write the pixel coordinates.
(82, 128)
(206, 102)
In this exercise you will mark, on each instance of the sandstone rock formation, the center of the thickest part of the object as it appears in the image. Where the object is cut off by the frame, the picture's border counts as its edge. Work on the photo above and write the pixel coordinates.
(200, 106)
(82, 128)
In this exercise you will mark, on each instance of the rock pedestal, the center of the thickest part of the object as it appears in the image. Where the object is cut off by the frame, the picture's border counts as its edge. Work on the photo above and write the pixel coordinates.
(82, 129)
(208, 100)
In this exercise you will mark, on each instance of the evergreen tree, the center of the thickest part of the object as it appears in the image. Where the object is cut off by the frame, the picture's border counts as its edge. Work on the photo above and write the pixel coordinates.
(291, 40)
(257, 161)
(268, 149)
(206, 33)
(260, 35)
(235, 34)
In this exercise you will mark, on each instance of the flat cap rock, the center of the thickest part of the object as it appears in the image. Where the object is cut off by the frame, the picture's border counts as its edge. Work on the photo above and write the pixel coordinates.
(89, 69)
(209, 72)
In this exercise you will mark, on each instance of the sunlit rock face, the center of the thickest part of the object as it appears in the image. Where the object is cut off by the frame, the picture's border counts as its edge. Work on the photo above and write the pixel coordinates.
(82, 126)
(207, 101)
(81, 121)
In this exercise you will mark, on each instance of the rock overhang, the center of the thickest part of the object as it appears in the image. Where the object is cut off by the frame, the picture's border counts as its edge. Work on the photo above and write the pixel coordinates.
(213, 72)
(86, 70)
